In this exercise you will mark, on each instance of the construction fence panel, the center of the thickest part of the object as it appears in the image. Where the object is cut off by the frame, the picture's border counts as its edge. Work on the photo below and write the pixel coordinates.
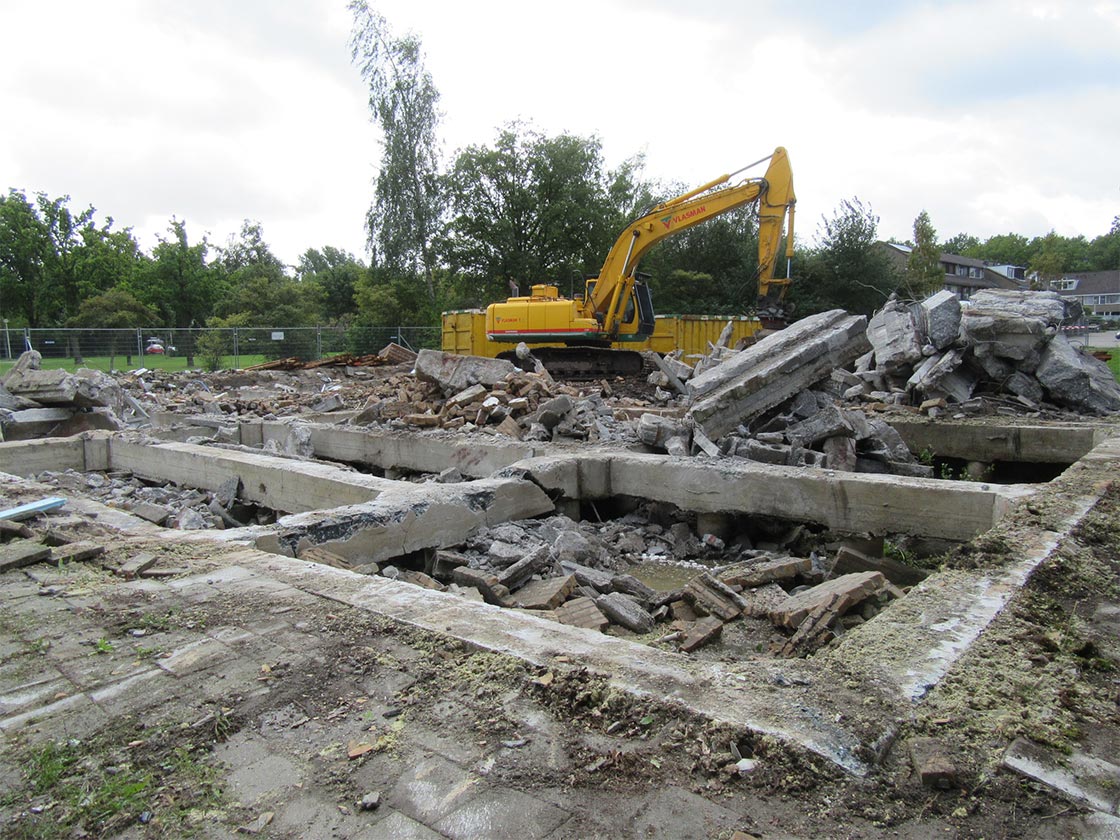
(202, 347)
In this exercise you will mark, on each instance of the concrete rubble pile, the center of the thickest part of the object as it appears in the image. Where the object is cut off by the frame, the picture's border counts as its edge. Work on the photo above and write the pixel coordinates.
(791, 399)
(935, 353)
(41, 403)
(165, 504)
(590, 575)
(778, 402)
(472, 393)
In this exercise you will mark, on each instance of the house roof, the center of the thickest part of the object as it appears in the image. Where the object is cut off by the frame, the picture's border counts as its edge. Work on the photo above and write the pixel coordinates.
(954, 259)
(1092, 283)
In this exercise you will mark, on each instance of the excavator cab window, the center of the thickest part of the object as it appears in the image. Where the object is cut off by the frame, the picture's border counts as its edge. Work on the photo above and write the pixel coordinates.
(646, 321)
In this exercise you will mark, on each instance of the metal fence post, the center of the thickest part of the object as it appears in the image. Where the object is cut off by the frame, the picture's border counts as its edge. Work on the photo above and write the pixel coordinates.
(140, 347)
(236, 350)
(318, 342)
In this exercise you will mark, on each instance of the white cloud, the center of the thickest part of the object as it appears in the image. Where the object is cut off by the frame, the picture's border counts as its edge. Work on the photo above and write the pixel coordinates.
(995, 116)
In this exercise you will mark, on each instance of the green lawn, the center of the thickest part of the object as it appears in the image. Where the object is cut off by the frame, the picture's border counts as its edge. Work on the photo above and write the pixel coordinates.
(152, 362)
(1114, 362)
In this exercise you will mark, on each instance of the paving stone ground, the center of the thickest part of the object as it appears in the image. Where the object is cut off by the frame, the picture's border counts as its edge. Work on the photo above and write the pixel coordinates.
(294, 694)
(255, 705)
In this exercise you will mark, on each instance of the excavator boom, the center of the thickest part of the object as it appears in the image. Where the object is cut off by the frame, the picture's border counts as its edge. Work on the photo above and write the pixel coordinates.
(615, 307)
(774, 194)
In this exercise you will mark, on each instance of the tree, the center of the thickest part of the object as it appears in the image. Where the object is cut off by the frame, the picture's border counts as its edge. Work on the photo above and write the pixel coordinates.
(64, 232)
(335, 273)
(848, 269)
(532, 209)
(962, 245)
(179, 283)
(408, 206)
(1046, 266)
(115, 310)
(1005, 249)
(24, 255)
(1105, 250)
(924, 272)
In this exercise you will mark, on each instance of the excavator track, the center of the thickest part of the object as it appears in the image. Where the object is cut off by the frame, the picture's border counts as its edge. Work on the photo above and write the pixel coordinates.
(584, 362)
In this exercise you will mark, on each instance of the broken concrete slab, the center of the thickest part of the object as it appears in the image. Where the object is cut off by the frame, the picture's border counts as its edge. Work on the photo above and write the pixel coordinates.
(894, 336)
(753, 573)
(848, 590)
(712, 597)
(1085, 779)
(28, 360)
(939, 318)
(815, 628)
(850, 560)
(77, 551)
(83, 389)
(518, 573)
(156, 514)
(1077, 379)
(773, 370)
(19, 553)
(135, 565)
(485, 582)
(825, 423)
(1045, 306)
(582, 612)
(29, 423)
(625, 611)
(546, 594)
(701, 632)
(454, 373)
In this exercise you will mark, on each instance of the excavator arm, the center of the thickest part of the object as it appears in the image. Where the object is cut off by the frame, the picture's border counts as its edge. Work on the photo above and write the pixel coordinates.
(608, 297)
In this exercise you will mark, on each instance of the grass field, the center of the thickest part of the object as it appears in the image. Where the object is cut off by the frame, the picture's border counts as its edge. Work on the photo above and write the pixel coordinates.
(151, 362)
(1114, 362)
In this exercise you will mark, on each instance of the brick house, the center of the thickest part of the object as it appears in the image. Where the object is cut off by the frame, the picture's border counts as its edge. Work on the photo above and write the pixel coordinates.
(963, 275)
(1097, 291)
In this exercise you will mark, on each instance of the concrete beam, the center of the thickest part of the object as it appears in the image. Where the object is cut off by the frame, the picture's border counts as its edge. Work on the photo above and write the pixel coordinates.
(412, 518)
(1051, 444)
(280, 483)
(402, 450)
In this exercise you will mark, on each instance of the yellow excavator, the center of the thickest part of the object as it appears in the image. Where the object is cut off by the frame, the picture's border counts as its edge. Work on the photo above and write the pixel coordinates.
(617, 307)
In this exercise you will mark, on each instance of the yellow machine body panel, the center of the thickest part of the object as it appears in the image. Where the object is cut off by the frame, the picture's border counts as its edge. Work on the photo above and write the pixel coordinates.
(464, 333)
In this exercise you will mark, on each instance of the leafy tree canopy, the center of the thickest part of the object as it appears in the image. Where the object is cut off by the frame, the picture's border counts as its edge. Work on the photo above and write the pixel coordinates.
(533, 209)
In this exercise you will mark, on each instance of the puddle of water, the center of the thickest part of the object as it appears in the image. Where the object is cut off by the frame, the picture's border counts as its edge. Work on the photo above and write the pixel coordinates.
(664, 577)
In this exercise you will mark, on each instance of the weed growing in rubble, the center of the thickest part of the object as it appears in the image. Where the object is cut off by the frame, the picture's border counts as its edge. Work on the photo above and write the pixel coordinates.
(102, 645)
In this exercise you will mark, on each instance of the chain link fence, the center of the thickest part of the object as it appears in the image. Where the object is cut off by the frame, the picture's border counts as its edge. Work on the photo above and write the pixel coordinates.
(202, 348)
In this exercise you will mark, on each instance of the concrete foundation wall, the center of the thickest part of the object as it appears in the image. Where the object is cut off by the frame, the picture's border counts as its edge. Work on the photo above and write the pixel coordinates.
(25, 458)
(398, 450)
(280, 483)
(847, 502)
(1054, 444)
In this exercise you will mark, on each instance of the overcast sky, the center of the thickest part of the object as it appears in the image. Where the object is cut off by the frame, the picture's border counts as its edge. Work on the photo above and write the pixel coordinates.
(994, 115)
